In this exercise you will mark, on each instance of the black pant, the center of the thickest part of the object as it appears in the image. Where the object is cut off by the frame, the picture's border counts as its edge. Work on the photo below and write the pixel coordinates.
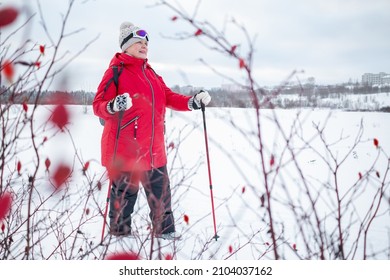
(124, 192)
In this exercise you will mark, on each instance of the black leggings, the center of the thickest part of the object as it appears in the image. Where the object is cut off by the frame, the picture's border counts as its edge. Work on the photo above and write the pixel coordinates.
(124, 194)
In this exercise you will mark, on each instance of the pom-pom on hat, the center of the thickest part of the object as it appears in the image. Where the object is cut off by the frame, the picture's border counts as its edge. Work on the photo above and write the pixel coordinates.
(130, 34)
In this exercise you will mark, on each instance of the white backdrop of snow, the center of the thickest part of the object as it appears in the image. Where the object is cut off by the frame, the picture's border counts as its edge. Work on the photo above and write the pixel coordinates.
(235, 164)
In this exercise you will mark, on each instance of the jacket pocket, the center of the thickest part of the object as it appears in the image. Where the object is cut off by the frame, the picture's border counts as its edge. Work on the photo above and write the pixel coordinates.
(135, 121)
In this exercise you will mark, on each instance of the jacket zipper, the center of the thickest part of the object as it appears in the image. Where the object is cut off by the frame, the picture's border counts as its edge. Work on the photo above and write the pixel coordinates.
(135, 121)
(152, 139)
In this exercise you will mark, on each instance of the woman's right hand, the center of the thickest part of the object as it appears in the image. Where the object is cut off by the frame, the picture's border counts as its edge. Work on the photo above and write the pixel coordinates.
(122, 102)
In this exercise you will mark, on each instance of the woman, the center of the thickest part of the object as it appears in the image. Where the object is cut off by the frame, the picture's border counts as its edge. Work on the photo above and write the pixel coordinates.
(136, 97)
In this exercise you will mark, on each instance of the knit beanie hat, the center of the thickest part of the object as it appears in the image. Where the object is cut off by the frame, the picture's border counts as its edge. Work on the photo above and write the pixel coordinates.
(125, 37)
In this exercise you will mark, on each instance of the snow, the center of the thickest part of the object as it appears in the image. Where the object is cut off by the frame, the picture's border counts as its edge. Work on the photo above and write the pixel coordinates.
(305, 164)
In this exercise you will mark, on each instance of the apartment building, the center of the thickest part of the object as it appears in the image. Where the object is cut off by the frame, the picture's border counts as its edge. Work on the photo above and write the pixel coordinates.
(376, 79)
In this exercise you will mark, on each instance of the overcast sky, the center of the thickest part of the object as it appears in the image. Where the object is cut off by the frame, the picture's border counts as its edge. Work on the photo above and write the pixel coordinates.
(331, 40)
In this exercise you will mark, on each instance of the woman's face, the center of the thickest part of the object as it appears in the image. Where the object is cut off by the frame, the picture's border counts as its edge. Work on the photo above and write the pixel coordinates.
(138, 49)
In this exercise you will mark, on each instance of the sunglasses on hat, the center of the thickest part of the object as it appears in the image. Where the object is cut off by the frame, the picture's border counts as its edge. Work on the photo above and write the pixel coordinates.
(141, 34)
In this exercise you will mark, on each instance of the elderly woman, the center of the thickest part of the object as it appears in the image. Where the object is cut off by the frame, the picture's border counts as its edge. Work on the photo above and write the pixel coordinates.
(132, 99)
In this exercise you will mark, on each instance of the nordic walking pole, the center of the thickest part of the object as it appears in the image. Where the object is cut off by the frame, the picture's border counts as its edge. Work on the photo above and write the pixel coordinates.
(105, 211)
(120, 115)
(209, 169)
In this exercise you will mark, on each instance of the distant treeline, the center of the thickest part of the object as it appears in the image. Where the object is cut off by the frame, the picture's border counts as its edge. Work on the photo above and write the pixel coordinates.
(268, 97)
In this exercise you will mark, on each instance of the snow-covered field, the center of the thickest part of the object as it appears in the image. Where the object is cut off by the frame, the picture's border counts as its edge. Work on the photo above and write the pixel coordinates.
(325, 158)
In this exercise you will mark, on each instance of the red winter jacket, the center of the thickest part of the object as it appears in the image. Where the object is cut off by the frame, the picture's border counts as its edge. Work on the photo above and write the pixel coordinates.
(141, 144)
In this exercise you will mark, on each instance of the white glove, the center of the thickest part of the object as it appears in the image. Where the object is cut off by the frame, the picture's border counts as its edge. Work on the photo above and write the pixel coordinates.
(203, 97)
(122, 102)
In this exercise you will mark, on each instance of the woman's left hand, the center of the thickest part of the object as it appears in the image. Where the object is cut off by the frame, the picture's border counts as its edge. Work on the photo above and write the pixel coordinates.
(203, 97)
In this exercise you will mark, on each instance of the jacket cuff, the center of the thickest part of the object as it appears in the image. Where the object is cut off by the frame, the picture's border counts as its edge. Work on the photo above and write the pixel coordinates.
(193, 104)
(109, 108)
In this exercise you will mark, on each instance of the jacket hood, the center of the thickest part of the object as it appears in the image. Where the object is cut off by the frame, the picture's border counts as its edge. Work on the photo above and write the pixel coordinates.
(127, 60)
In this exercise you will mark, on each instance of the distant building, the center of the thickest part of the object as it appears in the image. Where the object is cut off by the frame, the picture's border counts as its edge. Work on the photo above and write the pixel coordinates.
(375, 79)
(386, 80)
(189, 89)
(311, 81)
(232, 87)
